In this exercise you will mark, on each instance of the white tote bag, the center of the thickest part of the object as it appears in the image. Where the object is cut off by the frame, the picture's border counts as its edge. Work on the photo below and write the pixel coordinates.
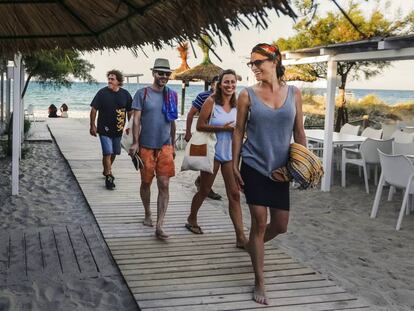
(127, 139)
(200, 151)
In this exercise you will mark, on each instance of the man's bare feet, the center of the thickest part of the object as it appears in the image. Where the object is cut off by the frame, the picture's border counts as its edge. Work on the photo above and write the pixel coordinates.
(160, 234)
(241, 244)
(259, 295)
(148, 222)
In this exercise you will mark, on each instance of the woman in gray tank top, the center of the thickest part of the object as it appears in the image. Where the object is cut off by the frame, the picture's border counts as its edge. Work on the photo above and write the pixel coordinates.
(271, 112)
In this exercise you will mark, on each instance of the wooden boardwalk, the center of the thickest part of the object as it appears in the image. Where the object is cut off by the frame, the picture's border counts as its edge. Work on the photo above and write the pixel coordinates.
(187, 272)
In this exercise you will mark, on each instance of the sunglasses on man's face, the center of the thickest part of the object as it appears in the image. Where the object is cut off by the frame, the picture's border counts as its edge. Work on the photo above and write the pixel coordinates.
(163, 73)
(257, 62)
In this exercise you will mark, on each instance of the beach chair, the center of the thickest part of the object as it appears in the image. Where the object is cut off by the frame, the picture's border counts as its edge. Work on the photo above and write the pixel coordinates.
(29, 111)
(396, 171)
(372, 133)
(180, 132)
(345, 129)
(349, 129)
(366, 155)
(388, 129)
(402, 137)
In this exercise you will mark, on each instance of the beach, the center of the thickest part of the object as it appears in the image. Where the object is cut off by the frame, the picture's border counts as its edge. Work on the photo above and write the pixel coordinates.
(330, 232)
(50, 199)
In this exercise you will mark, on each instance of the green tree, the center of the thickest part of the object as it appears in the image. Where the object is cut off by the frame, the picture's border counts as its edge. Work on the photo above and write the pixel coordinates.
(315, 30)
(56, 68)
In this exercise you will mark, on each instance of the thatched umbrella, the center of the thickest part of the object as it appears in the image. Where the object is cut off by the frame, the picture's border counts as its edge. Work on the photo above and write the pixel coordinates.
(30, 25)
(183, 50)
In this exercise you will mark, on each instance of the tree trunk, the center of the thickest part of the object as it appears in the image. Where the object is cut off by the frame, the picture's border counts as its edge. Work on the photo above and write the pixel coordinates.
(342, 114)
(26, 85)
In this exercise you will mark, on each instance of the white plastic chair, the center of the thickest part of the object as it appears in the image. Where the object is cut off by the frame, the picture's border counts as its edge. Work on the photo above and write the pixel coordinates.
(396, 171)
(403, 149)
(372, 133)
(367, 154)
(349, 129)
(388, 129)
(29, 111)
(401, 137)
(180, 125)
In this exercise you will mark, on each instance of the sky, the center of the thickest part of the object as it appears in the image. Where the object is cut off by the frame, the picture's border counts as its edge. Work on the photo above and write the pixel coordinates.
(398, 77)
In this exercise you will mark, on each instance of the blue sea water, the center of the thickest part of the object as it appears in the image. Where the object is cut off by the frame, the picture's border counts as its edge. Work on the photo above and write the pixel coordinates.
(80, 95)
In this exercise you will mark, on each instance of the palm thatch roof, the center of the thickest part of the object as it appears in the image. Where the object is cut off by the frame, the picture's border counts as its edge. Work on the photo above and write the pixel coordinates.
(204, 72)
(30, 25)
(183, 50)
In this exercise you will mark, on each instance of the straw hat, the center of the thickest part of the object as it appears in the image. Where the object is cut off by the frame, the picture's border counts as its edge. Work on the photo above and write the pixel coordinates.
(161, 64)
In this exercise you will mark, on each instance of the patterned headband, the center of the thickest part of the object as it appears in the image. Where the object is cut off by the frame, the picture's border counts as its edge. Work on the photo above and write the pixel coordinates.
(268, 50)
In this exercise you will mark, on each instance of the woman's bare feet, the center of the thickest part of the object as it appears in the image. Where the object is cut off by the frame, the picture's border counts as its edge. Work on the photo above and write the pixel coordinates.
(259, 295)
(160, 234)
(242, 243)
(148, 221)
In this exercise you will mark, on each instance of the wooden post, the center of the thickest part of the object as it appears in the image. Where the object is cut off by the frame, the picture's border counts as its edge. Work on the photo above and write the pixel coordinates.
(183, 85)
(206, 85)
(329, 123)
(16, 124)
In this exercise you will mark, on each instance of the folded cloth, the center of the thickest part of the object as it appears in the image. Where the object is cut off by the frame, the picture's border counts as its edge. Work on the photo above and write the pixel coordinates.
(303, 167)
(170, 105)
(138, 163)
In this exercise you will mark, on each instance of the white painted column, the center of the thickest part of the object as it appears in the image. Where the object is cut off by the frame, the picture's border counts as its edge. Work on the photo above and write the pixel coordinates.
(329, 122)
(16, 124)
(9, 76)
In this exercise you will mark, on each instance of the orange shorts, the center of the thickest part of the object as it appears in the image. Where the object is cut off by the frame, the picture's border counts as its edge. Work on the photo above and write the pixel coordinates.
(158, 162)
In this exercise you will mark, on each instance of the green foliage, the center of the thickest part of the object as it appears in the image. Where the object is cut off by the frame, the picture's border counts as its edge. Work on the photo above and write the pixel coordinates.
(57, 67)
(315, 30)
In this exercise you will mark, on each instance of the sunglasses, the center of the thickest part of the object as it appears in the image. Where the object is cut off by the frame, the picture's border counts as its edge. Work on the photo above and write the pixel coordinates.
(163, 73)
(257, 62)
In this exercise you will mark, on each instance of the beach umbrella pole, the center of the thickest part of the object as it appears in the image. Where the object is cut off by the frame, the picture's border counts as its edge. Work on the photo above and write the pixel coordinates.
(183, 85)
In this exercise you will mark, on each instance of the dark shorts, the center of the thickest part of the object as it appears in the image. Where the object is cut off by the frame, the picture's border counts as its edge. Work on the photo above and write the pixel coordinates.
(261, 190)
(110, 145)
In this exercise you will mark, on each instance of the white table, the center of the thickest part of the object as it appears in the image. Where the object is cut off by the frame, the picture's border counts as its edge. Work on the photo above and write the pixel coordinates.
(338, 139)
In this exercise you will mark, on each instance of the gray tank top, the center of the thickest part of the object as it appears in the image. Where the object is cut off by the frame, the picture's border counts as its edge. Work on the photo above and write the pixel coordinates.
(269, 132)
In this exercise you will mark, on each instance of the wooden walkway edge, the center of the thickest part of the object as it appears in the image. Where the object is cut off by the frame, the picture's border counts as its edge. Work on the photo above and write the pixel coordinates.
(187, 272)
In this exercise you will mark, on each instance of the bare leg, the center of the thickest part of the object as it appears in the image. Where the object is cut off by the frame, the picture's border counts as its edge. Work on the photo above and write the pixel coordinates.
(106, 162)
(145, 192)
(278, 223)
(162, 204)
(255, 247)
(206, 182)
(233, 196)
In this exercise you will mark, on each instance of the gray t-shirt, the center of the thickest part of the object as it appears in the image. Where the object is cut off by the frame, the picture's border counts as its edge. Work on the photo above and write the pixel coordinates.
(155, 129)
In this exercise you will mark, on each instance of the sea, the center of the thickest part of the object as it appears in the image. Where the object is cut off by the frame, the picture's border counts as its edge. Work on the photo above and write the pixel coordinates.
(79, 96)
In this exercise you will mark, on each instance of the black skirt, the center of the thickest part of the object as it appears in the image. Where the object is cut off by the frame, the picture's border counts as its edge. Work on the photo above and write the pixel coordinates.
(261, 190)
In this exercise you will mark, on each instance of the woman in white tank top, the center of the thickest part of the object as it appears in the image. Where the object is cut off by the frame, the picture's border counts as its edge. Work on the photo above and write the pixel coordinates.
(222, 122)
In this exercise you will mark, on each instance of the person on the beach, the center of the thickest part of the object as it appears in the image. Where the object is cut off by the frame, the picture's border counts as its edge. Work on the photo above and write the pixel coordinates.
(271, 111)
(195, 109)
(155, 109)
(64, 111)
(218, 115)
(52, 111)
(112, 104)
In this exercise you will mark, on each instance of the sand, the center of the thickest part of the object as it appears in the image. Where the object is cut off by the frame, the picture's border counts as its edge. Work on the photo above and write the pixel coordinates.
(333, 234)
(49, 196)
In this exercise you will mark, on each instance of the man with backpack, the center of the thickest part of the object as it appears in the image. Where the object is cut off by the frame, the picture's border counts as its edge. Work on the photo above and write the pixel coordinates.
(155, 109)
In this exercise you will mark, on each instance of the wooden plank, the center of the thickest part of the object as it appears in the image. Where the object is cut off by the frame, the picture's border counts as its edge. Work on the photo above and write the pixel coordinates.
(300, 303)
(99, 251)
(35, 260)
(68, 258)
(221, 298)
(17, 271)
(85, 259)
(4, 256)
(52, 264)
(236, 288)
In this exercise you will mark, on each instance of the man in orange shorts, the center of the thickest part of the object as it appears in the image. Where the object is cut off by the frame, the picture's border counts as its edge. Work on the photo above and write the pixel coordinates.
(155, 109)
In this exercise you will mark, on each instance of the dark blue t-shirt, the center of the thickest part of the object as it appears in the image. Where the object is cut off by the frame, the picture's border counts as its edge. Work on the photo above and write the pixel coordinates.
(112, 107)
